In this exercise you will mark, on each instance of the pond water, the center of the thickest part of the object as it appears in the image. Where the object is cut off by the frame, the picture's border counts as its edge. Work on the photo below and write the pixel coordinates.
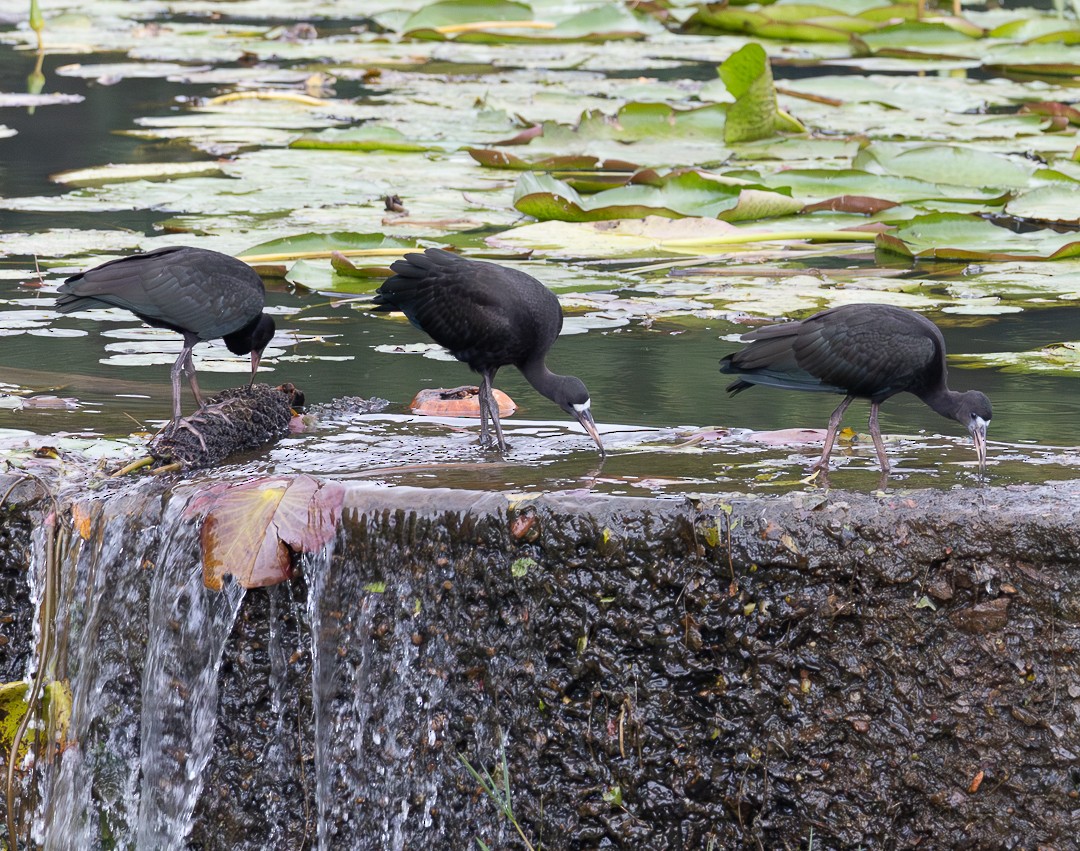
(656, 390)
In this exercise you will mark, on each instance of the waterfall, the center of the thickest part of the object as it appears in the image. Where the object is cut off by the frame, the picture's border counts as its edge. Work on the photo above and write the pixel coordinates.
(144, 642)
(188, 628)
(316, 713)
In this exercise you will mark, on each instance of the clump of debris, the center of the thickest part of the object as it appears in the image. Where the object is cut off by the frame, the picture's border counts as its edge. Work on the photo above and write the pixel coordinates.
(236, 420)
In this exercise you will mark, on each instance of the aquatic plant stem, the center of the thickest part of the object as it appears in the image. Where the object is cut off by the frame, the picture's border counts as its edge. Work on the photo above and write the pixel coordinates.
(775, 236)
(292, 97)
(138, 464)
(501, 796)
(251, 259)
(476, 26)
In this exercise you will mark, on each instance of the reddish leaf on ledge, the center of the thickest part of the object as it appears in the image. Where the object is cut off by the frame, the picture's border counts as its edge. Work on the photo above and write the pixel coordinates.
(252, 530)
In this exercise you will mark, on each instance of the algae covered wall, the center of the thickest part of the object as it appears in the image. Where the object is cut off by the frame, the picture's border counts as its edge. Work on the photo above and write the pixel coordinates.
(888, 671)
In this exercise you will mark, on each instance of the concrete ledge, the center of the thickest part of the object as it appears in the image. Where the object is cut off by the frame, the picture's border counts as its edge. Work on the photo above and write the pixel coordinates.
(889, 671)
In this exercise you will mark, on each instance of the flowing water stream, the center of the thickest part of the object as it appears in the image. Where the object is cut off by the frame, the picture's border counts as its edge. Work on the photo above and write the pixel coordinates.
(141, 649)
(141, 642)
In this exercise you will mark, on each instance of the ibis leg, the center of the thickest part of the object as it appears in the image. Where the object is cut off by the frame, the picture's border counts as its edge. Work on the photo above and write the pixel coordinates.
(830, 435)
(482, 399)
(495, 419)
(179, 368)
(875, 433)
(186, 424)
(189, 371)
(487, 397)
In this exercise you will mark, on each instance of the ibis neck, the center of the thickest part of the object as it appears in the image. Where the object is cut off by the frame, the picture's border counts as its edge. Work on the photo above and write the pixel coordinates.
(540, 377)
(943, 400)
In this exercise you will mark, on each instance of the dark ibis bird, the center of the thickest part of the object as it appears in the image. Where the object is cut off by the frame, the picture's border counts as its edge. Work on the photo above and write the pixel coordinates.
(487, 316)
(864, 351)
(199, 293)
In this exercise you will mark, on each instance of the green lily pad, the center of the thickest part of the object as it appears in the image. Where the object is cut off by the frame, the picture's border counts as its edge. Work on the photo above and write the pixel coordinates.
(754, 115)
(609, 239)
(505, 160)
(114, 72)
(1030, 28)
(814, 185)
(952, 38)
(684, 193)
(1058, 359)
(1057, 203)
(369, 137)
(73, 244)
(451, 13)
(640, 121)
(114, 172)
(322, 244)
(495, 21)
(724, 18)
(604, 22)
(1048, 60)
(946, 236)
(949, 165)
(326, 277)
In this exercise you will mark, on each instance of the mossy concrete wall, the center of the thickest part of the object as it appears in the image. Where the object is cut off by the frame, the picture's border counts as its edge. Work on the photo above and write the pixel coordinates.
(884, 671)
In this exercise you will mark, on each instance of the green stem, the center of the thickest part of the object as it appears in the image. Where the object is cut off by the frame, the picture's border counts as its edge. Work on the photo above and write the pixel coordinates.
(746, 238)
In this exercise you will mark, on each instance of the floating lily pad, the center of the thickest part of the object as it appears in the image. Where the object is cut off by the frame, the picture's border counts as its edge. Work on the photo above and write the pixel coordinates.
(505, 160)
(754, 115)
(826, 26)
(487, 21)
(114, 173)
(1056, 203)
(1058, 359)
(1048, 60)
(648, 121)
(952, 37)
(114, 72)
(949, 165)
(455, 15)
(10, 99)
(814, 185)
(959, 237)
(687, 193)
(370, 137)
(322, 244)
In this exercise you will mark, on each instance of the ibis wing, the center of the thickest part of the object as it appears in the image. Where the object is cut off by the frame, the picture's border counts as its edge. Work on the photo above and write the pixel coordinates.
(864, 350)
(188, 290)
(770, 359)
(486, 315)
(871, 353)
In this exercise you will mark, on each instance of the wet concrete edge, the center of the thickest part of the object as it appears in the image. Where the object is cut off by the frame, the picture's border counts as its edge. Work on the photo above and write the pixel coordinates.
(819, 555)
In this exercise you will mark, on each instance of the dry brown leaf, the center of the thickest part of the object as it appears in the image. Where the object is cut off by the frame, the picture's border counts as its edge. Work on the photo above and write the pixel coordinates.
(252, 530)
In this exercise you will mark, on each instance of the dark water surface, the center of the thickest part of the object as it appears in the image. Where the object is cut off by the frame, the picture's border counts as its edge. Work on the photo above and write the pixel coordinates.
(661, 381)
